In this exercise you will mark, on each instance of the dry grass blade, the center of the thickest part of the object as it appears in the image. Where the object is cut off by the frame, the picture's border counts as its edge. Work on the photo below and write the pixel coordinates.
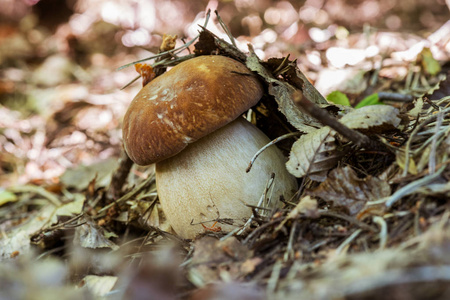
(416, 140)
(169, 52)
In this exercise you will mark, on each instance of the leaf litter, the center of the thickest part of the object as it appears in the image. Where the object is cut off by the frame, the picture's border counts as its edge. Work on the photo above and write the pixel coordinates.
(361, 226)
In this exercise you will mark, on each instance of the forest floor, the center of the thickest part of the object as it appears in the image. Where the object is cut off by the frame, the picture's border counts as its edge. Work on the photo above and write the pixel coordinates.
(371, 218)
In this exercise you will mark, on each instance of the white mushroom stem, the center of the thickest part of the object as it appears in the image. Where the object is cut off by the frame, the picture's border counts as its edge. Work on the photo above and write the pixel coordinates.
(207, 181)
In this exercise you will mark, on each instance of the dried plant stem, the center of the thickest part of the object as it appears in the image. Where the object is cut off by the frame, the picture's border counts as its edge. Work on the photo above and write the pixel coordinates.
(231, 233)
(36, 237)
(127, 196)
(170, 52)
(348, 241)
(410, 188)
(273, 142)
(260, 203)
(290, 253)
(261, 228)
(383, 231)
(165, 56)
(131, 82)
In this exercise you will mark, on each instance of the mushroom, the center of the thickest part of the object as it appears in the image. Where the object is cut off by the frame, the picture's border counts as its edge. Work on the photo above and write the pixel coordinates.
(188, 121)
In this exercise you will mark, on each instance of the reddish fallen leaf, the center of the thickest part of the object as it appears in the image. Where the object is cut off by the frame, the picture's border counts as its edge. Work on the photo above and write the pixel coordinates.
(146, 72)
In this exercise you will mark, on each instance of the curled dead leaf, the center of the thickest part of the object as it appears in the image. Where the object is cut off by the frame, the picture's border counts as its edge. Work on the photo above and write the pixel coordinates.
(89, 235)
(282, 92)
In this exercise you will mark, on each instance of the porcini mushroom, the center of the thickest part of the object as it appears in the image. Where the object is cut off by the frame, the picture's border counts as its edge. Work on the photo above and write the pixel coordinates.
(188, 122)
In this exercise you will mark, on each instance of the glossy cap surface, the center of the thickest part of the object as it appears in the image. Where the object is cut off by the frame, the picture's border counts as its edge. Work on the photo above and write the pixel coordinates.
(185, 104)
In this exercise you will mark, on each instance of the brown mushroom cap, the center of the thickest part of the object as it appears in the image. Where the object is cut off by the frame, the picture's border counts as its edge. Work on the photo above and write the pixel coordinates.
(185, 104)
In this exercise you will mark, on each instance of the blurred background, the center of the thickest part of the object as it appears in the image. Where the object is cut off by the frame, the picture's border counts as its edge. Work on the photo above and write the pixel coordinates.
(61, 101)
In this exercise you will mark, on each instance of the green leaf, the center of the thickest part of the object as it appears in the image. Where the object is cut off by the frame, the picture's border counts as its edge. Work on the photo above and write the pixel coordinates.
(369, 100)
(429, 64)
(6, 197)
(338, 98)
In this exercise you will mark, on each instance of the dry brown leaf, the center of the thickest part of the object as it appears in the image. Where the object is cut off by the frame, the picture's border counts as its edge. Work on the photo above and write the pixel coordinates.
(314, 154)
(89, 235)
(372, 119)
(345, 189)
(282, 92)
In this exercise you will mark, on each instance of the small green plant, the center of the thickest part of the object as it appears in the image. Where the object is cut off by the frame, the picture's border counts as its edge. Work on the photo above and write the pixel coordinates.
(340, 98)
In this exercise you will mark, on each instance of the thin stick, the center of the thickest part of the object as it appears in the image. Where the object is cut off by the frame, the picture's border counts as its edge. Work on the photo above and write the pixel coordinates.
(325, 118)
(131, 82)
(279, 70)
(395, 97)
(36, 237)
(260, 202)
(127, 196)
